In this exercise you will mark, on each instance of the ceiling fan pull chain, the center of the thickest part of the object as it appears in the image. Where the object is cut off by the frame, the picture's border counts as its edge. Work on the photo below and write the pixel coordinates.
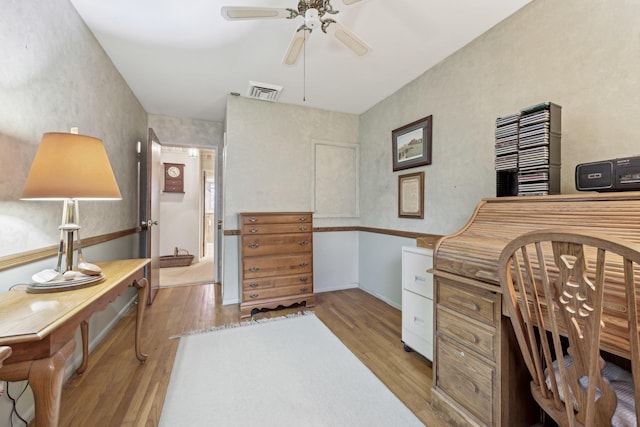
(304, 67)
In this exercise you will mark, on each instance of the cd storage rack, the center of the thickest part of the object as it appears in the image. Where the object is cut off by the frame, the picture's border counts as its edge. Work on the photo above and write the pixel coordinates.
(528, 151)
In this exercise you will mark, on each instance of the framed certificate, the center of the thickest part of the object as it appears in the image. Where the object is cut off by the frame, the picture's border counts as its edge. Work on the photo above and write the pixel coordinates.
(411, 195)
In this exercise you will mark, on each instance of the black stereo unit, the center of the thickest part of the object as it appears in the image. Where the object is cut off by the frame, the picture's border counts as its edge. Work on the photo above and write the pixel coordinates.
(609, 175)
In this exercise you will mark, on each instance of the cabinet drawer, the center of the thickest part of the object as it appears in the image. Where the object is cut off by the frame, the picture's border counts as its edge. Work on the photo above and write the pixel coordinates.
(273, 282)
(477, 338)
(417, 315)
(251, 229)
(276, 218)
(476, 303)
(473, 386)
(288, 291)
(415, 263)
(276, 244)
(254, 267)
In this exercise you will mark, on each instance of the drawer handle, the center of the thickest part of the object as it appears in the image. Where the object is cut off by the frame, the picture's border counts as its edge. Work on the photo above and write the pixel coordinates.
(465, 335)
(474, 388)
(253, 219)
(304, 243)
(420, 278)
(253, 285)
(302, 228)
(253, 230)
(418, 320)
(254, 245)
(303, 218)
(304, 279)
(254, 295)
(305, 289)
(303, 264)
(464, 303)
(254, 269)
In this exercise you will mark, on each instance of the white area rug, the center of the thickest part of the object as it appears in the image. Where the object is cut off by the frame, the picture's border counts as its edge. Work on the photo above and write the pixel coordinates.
(285, 372)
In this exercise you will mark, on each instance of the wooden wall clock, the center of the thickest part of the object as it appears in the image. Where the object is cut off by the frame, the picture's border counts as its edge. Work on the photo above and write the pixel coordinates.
(173, 178)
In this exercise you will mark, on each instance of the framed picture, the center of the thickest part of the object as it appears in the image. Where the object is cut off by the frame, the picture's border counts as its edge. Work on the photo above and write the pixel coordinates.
(411, 195)
(412, 144)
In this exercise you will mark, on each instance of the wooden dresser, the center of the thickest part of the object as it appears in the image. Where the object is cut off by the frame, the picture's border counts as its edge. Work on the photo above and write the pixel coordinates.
(276, 260)
(478, 376)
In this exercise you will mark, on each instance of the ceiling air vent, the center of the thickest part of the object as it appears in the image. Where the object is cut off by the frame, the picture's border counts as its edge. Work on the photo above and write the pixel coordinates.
(264, 91)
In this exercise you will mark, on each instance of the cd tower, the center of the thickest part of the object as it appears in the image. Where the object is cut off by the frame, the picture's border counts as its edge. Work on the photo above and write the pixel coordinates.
(528, 151)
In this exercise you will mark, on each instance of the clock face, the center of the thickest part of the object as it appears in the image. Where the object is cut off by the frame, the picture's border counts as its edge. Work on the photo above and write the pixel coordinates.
(173, 172)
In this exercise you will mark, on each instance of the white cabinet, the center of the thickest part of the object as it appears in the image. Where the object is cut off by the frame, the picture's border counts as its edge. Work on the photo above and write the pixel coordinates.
(417, 300)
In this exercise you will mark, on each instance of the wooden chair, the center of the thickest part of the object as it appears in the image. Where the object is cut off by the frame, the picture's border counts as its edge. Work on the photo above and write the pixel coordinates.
(569, 270)
(4, 353)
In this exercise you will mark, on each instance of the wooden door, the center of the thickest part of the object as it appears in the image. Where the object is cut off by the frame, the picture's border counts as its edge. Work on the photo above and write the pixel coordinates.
(151, 181)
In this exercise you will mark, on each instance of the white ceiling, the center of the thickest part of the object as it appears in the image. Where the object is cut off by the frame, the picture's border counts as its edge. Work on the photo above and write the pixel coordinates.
(182, 59)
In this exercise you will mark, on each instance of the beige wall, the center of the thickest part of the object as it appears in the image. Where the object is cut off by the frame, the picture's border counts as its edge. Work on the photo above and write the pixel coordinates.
(53, 76)
(581, 54)
(269, 159)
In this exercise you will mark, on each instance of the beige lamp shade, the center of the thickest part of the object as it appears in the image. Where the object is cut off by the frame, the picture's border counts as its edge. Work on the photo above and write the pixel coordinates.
(71, 166)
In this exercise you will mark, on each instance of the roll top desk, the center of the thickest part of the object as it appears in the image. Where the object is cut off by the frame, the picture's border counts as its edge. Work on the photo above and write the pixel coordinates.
(479, 378)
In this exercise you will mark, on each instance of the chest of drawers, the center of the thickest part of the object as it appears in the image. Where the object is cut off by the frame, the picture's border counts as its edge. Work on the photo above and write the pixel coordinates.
(276, 260)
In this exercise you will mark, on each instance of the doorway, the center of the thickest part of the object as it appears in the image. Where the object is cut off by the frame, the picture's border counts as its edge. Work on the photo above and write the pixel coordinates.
(188, 219)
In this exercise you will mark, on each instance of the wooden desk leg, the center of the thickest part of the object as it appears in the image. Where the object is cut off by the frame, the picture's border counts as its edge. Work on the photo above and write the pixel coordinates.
(45, 378)
(84, 331)
(143, 292)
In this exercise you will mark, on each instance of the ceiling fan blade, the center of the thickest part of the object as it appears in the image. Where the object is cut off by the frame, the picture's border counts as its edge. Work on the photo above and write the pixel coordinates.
(348, 38)
(295, 46)
(233, 13)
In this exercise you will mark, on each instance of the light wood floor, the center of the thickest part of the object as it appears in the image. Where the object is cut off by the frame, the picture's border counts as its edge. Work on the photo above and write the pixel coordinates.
(118, 391)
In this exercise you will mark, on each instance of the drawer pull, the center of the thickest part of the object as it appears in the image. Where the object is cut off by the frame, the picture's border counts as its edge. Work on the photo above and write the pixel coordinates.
(303, 264)
(253, 285)
(464, 303)
(254, 245)
(465, 335)
(304, 279)
(303, 218)
(302, 228)
(305, 289)
(253, 230)
(418, 320)
(253, 219)
(254, 295)
(254, 269)
(420, 279)
(304, 243)
(474, 388)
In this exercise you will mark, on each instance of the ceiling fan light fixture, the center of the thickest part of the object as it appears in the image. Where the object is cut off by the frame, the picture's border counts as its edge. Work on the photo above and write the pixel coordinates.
(312, 19)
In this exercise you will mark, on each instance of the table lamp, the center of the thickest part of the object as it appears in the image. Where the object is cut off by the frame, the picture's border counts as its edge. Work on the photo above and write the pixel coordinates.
(70, 167)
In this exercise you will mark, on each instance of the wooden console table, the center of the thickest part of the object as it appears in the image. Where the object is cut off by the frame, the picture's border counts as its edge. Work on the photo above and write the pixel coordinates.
(40, 330)
(479, 378)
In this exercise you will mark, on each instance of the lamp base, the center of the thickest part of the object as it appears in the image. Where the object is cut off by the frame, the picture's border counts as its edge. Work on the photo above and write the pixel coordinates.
(64, 285)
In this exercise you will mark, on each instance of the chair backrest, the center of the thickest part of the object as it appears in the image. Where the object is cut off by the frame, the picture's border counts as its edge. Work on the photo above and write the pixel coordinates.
(4, 353)
(581, 275)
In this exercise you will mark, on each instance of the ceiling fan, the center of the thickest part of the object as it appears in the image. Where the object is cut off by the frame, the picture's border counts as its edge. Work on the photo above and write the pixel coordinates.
(316, 15)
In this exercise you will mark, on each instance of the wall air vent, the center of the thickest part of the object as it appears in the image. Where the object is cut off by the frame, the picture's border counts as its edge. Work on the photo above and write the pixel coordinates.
(264, 91)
